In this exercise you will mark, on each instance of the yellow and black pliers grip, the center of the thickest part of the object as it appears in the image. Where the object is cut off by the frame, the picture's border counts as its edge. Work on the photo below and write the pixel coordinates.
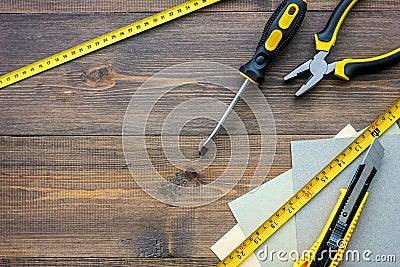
(348, 68)
(325, 39)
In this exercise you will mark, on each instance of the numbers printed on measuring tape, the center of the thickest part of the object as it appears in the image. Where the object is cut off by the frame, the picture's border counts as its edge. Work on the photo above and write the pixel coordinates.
(313, 187)
(103, 41)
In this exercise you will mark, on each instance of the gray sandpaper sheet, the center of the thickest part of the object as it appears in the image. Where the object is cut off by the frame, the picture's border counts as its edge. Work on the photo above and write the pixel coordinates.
(377, 233)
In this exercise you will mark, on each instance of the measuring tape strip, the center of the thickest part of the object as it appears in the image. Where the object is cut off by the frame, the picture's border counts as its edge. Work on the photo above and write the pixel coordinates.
(313, 187)
(103, 41)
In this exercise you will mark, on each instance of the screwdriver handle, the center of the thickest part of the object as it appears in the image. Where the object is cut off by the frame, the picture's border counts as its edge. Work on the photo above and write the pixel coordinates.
(278, 32)
(325, 39)
(349, 68)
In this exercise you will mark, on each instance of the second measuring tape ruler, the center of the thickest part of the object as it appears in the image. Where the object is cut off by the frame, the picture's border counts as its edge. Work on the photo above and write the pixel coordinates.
(313, 187)
(103, 41)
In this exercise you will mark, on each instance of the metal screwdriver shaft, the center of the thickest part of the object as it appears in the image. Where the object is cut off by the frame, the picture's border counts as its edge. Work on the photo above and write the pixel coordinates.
(278, 33)
(210, 139)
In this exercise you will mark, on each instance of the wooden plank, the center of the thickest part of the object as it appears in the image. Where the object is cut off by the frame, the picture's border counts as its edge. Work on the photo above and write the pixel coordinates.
(107, 6)
(89, 96)
(74, 197)
(116, 261)
(72, 162)
(89, 6)
(361, 6)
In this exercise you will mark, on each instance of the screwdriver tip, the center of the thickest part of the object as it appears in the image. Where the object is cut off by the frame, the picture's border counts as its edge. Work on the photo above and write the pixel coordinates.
(203, 151)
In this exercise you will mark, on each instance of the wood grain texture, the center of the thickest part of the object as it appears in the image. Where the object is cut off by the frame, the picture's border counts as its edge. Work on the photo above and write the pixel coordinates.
(122, 6)
(67, 197)
(77, 194)
(319, 5)
(93, 262)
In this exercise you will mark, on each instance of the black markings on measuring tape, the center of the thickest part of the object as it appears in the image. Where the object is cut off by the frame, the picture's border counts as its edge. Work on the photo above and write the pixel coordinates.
(107, 39)
(391, 116)
(376, 132)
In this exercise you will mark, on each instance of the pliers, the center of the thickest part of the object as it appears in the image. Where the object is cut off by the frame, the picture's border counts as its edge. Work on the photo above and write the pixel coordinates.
(345, 69)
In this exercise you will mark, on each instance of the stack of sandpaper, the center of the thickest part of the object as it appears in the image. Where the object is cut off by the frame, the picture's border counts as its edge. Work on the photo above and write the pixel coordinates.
(376, 235)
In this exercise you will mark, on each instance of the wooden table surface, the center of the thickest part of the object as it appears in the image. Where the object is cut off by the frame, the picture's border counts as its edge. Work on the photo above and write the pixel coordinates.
(66, 195)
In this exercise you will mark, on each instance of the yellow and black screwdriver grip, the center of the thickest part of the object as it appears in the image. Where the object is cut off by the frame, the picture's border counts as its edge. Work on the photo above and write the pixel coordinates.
(308, 258)
(325, 39)
(348, 68)
(278, 32)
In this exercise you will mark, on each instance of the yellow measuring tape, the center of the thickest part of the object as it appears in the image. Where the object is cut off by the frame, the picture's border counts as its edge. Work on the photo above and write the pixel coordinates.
(313, 187)
(103, 41)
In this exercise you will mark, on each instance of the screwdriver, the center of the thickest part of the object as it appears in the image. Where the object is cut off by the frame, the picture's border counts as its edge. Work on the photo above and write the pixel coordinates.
(278, 33)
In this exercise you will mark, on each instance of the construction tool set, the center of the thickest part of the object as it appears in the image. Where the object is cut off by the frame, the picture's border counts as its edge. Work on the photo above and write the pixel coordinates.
(279, 31)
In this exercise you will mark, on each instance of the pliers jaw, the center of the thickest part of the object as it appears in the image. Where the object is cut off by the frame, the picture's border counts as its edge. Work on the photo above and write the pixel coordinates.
(318, 68)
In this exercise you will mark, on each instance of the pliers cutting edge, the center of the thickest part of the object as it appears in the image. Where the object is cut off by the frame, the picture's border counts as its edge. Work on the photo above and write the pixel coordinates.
(345, 69)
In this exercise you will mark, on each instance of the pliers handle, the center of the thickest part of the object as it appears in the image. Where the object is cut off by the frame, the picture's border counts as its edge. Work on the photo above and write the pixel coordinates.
(345, 69)
(349, 68)
(325, 39)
